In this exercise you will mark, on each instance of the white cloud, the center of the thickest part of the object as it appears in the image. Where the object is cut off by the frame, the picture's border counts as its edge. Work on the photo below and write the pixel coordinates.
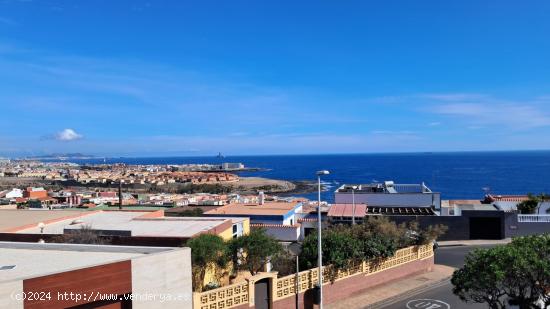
(514, 115)
(67, 135)
(475, 110)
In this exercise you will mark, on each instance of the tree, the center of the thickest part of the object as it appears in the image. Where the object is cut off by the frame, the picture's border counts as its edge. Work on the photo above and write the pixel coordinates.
(284, 263)
(519, 272)
(480, 280)
(340, 248)
(530, 205)
(253, 251)
(84, 235)
(420, 236)
(377, 237)
(208, 251)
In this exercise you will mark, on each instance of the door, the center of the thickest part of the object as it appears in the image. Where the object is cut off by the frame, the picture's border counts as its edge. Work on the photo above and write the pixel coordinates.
(485, 228)
(261, 294)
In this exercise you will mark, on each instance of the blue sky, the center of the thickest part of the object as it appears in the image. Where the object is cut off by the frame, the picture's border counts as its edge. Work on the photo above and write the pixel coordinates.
(155, 78)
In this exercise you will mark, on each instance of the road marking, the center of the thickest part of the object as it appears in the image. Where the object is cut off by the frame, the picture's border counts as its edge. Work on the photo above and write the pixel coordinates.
(427, 304)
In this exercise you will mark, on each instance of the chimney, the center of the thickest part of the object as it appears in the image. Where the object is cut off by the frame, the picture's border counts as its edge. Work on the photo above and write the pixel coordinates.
(261, 198)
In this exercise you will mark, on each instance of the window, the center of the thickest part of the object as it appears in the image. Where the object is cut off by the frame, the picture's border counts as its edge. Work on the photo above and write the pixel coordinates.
(237, 230)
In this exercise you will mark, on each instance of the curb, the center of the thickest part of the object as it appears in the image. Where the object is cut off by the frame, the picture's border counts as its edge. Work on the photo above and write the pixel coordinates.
(407, 294)
(451, 245)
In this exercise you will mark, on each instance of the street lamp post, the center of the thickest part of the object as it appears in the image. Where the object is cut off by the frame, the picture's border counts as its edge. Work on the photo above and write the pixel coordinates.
(296, 249)
(353, 204)
(319, 251)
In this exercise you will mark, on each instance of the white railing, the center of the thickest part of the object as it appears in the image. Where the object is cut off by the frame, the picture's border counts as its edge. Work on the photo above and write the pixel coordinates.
(534, 218)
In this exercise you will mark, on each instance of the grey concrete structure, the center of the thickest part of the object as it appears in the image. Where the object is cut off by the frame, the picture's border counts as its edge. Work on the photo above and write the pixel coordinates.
(388, 194)
(479, 224)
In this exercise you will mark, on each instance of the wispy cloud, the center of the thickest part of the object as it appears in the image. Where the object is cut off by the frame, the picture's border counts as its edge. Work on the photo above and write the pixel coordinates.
(514, 115)
(68, 135)
(478, 110)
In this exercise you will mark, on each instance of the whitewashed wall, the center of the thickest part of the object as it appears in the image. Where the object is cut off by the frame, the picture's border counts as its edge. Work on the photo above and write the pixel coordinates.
(166, 274)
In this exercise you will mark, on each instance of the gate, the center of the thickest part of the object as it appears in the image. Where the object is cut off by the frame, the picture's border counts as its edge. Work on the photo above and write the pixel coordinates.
(261, 294)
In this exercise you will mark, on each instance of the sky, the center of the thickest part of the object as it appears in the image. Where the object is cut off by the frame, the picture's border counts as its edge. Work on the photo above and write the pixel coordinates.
(184, 78)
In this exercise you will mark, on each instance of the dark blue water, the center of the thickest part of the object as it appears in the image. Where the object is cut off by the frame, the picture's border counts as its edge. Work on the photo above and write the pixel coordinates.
(455, 175)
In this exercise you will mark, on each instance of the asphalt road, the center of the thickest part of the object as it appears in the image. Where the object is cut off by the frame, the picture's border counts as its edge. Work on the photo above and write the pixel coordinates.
(439, 296)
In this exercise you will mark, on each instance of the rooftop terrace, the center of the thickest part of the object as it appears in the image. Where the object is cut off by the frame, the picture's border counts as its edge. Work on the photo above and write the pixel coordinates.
(385, 187)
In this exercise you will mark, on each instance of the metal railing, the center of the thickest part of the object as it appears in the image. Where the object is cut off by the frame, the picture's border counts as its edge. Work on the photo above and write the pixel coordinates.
(534, 218)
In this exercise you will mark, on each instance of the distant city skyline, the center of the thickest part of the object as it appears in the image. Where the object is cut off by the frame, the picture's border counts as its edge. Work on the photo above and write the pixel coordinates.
(181, 78)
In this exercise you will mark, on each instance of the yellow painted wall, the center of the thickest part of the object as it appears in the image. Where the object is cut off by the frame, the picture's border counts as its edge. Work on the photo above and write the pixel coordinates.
(246, 227)
(227, 234)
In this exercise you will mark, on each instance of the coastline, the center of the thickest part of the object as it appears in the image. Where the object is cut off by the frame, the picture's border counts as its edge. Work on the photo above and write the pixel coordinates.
(245, 185)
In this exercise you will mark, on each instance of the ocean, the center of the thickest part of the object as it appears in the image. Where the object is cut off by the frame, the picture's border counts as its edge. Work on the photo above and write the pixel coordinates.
(457, 175)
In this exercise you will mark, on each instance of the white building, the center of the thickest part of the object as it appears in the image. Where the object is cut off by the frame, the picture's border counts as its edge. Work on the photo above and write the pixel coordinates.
(14, 193)
(232, 166)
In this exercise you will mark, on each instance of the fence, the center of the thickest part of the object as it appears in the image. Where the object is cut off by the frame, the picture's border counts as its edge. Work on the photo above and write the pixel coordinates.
(240, 294)
(534, 218)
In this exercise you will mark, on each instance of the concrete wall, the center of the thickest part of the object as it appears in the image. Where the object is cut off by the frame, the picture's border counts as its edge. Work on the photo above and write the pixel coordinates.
(143, 241)
(347, 287)
(459, 226)
(165, 275)
(284, 233)
(8, 292)
(513, 228)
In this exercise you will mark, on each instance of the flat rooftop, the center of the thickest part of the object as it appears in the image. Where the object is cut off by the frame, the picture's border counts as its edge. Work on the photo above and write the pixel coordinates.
(384, 187)
(33, 259)
(92, 219)
(184, 227)
(15, 218)
(135, 223)
(268, 208)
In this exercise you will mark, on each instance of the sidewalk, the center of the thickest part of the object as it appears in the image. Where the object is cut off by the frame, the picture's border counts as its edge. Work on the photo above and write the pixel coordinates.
(390, 290)
(453, 243)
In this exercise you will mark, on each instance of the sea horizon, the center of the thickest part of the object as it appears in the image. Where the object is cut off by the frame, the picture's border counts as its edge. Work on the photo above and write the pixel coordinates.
(456, 175)
(285, 154)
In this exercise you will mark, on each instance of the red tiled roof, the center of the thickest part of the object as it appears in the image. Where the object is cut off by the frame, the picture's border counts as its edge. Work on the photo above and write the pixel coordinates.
(346, 210)
(509, 198)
